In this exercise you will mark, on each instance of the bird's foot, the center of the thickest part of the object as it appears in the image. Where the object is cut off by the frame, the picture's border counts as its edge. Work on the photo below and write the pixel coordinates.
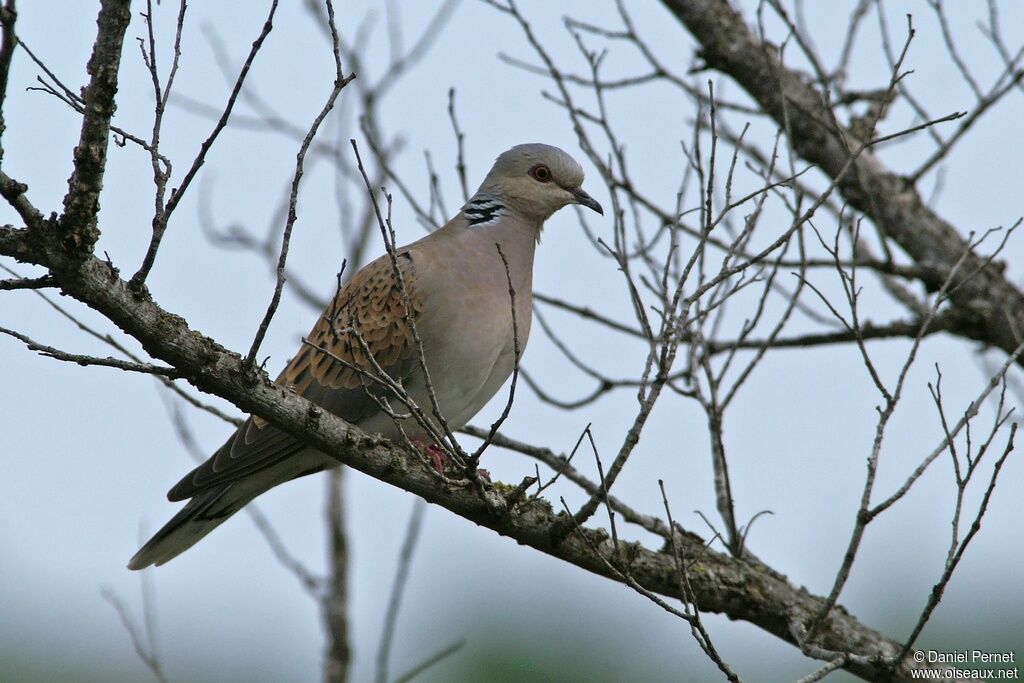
(438, 457)
(434, 453)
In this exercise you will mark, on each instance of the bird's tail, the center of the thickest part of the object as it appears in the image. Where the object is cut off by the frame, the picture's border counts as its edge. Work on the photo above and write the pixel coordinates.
(203, 513)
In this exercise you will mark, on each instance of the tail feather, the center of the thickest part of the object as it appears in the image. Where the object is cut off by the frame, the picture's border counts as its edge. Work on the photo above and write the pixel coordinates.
(210, 507)
(200, 516)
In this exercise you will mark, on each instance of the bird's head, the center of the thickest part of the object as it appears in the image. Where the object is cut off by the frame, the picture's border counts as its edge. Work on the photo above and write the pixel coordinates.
(538, 180)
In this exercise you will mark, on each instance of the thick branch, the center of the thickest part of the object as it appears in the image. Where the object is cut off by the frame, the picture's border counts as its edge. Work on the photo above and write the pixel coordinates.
(8, 41)
(82, 202)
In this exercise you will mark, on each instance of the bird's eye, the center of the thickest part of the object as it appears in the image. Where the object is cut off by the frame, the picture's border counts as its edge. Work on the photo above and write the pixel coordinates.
(541, 173)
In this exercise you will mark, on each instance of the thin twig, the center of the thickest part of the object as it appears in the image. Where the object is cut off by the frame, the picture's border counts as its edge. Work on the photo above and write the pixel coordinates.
(430, 661)
(340, 81)
(146, 651)
(204, 148)
(405, 555)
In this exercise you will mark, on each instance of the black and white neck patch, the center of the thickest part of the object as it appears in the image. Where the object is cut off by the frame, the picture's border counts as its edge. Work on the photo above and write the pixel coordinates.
(483, 210)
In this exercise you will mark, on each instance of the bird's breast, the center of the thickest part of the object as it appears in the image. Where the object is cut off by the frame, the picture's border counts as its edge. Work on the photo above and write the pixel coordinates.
(468, 330)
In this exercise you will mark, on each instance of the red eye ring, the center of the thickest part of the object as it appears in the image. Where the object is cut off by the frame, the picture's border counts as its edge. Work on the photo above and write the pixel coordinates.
(541, 173)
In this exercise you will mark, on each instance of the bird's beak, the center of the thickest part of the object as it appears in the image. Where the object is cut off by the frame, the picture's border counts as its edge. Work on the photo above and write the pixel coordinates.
(584, 199)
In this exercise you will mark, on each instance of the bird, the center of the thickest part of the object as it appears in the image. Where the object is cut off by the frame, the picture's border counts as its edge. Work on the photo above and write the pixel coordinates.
(450, 289)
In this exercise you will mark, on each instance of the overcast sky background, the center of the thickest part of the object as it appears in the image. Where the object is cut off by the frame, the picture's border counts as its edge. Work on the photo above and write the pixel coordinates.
(88, 453)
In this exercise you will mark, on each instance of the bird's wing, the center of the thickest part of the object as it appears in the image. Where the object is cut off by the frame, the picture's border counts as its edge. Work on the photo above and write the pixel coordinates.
(367, 314)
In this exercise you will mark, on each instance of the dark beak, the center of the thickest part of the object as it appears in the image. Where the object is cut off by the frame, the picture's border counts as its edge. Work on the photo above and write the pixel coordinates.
(584, 199)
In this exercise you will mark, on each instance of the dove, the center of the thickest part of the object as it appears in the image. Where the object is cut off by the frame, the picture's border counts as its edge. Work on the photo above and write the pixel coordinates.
(456, 288)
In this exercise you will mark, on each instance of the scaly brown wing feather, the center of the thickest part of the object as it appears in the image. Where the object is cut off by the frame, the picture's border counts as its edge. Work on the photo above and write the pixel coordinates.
(369, 307)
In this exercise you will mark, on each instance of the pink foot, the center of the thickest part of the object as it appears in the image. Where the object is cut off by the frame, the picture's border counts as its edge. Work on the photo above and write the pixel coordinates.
(435, 454)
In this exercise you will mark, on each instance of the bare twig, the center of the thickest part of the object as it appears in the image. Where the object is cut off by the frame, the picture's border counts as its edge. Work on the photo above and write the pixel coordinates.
(340, 81)
(436, 658)
(142, 640)
(405, 555)
(697, 629)
(84, 360)
(517, 353)
(160, 221)
(959, 546)
(334, 604)
(460, 140)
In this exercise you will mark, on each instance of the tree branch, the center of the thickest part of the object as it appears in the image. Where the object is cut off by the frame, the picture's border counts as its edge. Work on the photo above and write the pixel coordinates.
(77, 225)
(727, 45)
